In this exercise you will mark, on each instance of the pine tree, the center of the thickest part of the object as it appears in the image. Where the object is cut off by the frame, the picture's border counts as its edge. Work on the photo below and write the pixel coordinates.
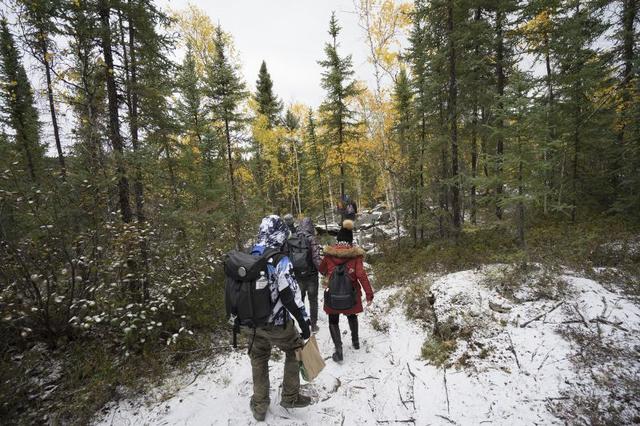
(268, 103)
(291, 125)
(87, 93)
(627, 181)
(403, 127)
(20, 113)
(453, 114)
(191, 115)
(475, 85)
(501, 18)
(417, 55)
(226, 92)
(337, 79)
(117, 142)
(148, 71)
(270, 107)
(312, 141)
(580, 68)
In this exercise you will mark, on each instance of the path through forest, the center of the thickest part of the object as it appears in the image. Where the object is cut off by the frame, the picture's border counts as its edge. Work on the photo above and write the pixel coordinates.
(506, 373)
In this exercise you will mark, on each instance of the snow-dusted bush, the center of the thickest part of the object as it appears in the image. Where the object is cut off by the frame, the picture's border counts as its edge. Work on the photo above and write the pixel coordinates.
(125, 284)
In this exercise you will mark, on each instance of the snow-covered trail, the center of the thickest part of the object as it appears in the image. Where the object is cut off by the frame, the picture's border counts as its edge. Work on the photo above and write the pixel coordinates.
(387, 381)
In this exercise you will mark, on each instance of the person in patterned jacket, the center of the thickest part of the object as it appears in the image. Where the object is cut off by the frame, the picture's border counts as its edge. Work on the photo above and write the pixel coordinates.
(281, 330)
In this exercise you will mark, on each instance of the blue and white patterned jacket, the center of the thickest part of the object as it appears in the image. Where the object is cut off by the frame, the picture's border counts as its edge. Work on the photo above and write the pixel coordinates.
(273, 234)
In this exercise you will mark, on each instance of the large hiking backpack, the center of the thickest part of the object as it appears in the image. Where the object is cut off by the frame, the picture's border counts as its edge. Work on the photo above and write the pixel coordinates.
(300, 256)
(247, 293)
(350, 210)
(341, 295)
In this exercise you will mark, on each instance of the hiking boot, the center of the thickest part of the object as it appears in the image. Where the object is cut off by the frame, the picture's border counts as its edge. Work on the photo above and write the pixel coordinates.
(259, 409)
(337, 355)
(299, 402)
(334, 330)
(353, 326)
(259, 416)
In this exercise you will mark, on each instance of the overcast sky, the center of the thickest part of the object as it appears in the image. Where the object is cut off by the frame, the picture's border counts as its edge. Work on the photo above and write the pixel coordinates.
(290, 36)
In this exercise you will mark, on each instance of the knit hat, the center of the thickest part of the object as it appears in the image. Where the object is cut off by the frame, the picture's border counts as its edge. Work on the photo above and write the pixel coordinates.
(345, 234)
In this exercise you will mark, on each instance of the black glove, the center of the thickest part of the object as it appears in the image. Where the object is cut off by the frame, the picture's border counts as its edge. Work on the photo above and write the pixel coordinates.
(305, 326)
(287, 299)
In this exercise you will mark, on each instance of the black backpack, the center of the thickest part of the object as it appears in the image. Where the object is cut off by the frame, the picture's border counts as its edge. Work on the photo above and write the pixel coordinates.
(341, 295)
(300, 256)
(247, 294)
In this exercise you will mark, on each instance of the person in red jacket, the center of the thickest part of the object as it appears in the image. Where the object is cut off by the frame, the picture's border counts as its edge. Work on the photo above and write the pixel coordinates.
(344, 252)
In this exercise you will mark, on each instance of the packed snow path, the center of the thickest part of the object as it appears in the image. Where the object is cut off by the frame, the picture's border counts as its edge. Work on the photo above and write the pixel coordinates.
(387, 381)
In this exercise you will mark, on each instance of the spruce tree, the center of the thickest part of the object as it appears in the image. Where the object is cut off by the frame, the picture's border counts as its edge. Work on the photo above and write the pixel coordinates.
(312, 141)
(268, 103)
(420, 81)
(403, 127)
(150, 122)
(337, 80)
(19, 111)
(226, 92)
(452, 103)
(190, 112)
(270, 107)
(86, 95)
(581, 69)
(115, 136)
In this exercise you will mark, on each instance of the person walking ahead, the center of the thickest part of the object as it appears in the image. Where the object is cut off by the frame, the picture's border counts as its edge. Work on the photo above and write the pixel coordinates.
(280, 330)
(347, 208)
(345, 253)
(309, 281)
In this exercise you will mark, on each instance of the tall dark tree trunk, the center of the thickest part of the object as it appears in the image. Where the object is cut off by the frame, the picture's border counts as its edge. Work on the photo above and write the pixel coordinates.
(453, 120)
(29, 157)
(483, 147)
(341, 152)
(260, 179)
(520, 206)
(474, 128)
(52, 107)
(443, 224)
(551, 129)
(576, 147)
(500, 83)
(132, 92)
(232, 184)
(316, 158)
(419, 197)
(104, 11)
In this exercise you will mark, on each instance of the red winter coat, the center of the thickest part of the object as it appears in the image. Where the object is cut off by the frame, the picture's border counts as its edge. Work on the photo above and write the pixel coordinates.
(341, 253)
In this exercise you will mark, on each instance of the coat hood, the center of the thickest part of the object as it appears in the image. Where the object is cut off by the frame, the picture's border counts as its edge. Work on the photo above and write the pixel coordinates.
(306, 226)
(273, 232)
(344, 251)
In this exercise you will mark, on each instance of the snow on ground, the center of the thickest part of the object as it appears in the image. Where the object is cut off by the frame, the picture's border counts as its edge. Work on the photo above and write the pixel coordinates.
(508, 372)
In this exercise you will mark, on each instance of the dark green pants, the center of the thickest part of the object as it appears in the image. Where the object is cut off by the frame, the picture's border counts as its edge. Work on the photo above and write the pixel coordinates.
(309, 286)
(287, 339)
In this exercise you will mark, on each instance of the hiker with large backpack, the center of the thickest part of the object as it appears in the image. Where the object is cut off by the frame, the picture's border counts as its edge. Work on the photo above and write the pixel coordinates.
(304, 254)
(290, 222)
(343, 265)
(262, 296)
(347, 208)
